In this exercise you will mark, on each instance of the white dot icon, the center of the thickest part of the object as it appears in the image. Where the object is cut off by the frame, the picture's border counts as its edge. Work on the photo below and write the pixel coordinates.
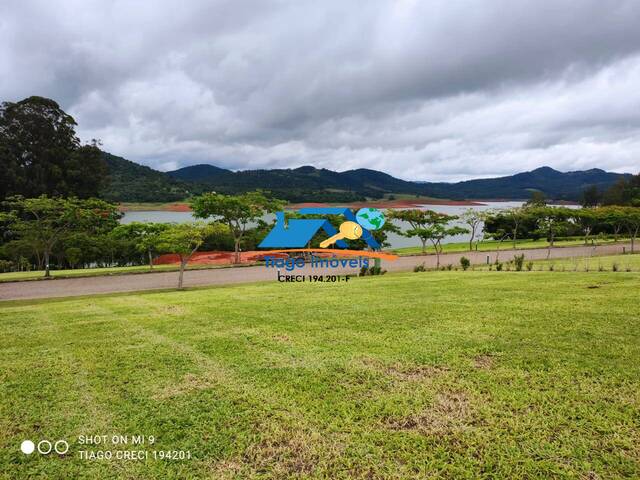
(27, 447)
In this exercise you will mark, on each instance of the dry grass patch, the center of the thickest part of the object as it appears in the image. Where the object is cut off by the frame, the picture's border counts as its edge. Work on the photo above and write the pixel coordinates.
(189, 383)
(450, 412)
(282, 338)
(174, 310)
(281, 452)
(483, 362)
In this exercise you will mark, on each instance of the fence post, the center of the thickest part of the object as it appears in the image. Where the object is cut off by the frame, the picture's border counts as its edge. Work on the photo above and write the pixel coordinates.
(488, 259)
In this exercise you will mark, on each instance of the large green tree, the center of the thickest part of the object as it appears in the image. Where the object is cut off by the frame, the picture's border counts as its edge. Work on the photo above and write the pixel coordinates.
(41, 154)
(43, 222)
(428, 226)
(144, 235)
(624, 192)
(237, 212)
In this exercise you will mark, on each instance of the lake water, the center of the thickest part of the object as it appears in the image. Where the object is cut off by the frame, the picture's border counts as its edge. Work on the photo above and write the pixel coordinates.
(396, 241)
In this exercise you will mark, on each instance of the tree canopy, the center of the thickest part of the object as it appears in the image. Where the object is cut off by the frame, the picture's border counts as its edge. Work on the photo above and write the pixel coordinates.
(41, 154)
(235, 211)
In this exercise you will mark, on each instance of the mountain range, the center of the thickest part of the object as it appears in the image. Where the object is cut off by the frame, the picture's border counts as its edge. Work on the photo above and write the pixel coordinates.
(131, 182)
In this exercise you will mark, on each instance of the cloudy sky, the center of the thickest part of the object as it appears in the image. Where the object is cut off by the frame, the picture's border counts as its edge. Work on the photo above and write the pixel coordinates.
(424, 90)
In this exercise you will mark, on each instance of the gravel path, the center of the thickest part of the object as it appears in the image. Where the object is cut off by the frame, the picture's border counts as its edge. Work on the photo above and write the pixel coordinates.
(69, 287)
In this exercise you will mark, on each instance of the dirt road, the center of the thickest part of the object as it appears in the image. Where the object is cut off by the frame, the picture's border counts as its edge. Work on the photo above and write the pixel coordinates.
(152, 281)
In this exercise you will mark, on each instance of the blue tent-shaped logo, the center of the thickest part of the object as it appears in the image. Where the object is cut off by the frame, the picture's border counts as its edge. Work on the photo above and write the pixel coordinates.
(297, 233)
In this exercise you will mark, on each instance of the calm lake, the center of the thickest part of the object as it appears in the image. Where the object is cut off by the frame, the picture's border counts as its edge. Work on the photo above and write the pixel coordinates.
(397, 241)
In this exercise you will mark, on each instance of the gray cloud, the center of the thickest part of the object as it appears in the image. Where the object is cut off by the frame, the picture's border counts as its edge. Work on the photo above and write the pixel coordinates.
(441, 90)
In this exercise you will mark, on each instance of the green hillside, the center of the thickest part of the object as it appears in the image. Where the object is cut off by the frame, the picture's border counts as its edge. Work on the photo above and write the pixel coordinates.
(130, 182)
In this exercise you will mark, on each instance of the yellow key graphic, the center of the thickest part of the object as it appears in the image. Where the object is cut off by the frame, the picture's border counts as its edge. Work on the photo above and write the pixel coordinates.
(350, 230)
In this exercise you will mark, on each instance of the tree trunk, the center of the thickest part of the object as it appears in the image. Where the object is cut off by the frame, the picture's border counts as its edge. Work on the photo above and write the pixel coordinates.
(515, 239)
(47, 273)
(424, 246)
(150, 260)
(236, 247)
(183, 264)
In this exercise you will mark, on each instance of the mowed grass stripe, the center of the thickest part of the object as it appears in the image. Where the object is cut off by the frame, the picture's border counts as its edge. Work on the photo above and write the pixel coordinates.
(457, 374)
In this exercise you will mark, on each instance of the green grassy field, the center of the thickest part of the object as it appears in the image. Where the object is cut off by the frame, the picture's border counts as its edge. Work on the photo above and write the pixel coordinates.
(437, 374)
(618, 263)
(490, 245)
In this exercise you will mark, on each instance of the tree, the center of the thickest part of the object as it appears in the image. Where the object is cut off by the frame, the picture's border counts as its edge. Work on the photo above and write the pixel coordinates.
(632, 223)
(587, 219)
(591, 196)
(551, 222)
(515, 216)
(44, 221)
(474, 219)
(537, 199)
(235, 211)
(41, 154)
(145, 237)
(184, 239)
(428, 225)
(614, 218)
(624, 192)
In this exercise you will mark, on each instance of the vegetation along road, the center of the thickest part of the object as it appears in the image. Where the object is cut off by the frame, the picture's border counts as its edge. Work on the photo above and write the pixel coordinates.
(163, 280)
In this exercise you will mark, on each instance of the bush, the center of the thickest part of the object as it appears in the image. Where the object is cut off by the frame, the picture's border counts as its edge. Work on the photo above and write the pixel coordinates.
(465, 263)
(371, 271)
(529, 266)
(499, 266)
(615, 267)
(518, 261)
(449, 267)
(420, 268)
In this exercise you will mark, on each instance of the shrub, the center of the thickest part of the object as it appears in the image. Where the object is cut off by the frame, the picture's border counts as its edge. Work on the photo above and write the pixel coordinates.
(499, 266)
(551, 267)
(615, 267)
(529, 266)
(372, 271)
(420, 268)
(518, 261)
(465, 263)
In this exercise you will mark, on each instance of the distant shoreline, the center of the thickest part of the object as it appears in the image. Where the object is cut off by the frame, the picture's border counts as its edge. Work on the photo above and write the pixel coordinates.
(400, 203)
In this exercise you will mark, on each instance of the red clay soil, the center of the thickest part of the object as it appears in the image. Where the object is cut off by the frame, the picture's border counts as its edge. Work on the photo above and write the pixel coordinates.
(216, 258)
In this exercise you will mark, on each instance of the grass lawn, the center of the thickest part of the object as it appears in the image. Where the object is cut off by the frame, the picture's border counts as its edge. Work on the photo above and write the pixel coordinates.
(416, 375)
(490, 245)
(581, 264)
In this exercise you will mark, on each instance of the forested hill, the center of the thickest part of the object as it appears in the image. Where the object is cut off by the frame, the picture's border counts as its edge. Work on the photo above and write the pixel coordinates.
(128, 181)
(132, 182)
(556, 185)
(310, 183)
